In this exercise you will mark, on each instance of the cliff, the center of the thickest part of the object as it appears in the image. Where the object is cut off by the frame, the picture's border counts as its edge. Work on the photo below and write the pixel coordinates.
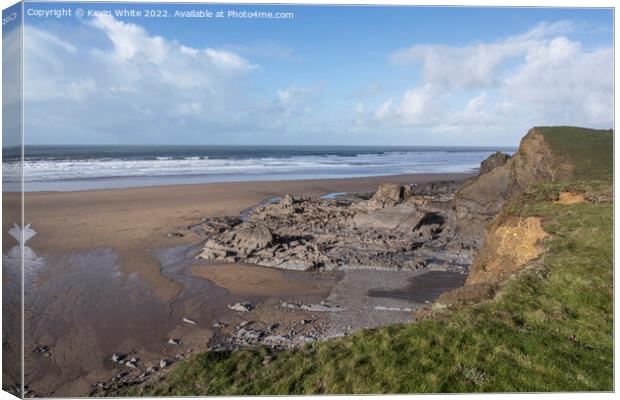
(481, 199)
(485, 206)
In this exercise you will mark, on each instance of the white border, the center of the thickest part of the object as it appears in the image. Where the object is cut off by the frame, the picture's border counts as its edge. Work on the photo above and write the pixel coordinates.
(479, 3)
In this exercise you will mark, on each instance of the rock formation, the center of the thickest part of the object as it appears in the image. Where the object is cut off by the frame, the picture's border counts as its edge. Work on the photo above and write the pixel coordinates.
(480, 199)
(493, 161)
(400, 226)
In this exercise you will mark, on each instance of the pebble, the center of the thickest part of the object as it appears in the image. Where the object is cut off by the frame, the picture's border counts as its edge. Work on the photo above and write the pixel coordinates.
(245, 306)
(42, 349)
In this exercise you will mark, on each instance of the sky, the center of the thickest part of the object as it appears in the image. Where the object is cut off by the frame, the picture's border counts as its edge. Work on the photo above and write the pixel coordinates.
(347, 75)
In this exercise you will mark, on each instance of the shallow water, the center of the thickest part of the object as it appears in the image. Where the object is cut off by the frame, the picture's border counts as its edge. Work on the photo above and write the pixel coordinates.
(200, 300)
(424, 288)
(83, 309)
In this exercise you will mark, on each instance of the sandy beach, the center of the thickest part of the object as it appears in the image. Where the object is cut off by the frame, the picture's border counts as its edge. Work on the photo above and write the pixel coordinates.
(102, 286)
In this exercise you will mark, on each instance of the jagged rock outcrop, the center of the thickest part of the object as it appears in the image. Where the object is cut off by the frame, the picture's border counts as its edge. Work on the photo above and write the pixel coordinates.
(533, 162)
(246, 239)
(494, 160)
(480, 199)
(390, 194)
(400, 226)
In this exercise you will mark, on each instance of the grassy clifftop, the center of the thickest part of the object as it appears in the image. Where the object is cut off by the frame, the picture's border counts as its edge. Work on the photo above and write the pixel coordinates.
(549, 329)
(589, 152)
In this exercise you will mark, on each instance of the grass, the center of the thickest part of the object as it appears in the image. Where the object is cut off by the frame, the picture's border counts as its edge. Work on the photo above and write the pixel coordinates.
(550, 330)
(589, 151)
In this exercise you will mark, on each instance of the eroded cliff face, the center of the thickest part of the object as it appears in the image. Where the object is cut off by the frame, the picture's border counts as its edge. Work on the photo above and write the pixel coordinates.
(506, 243)
(479, 200)
(510, 244)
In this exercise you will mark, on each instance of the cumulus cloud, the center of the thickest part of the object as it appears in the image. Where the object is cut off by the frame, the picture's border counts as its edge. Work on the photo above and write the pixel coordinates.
(561, 81)
(420, 106)
(123, 83)
(535, 78)
(140, 82)
(11, 78)
(475, 65)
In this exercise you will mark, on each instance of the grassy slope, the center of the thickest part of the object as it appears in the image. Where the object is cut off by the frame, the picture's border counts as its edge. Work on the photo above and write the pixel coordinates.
(590, 151)
(549, 330)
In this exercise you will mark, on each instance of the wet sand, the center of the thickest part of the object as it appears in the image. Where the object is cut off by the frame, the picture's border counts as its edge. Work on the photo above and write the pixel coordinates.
(105, 286)
(251, 280)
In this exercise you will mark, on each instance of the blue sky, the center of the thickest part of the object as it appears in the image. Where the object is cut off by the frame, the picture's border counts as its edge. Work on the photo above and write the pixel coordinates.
(330, 75)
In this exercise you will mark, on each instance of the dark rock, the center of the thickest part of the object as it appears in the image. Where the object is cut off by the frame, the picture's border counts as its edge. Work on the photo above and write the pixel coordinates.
(478, 200)
(494, 160)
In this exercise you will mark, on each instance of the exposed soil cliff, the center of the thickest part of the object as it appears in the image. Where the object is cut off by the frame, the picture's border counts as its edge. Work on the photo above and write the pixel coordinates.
(510, 243)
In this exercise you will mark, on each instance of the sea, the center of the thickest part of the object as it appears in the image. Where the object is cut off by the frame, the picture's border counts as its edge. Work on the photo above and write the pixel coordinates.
(68, 168)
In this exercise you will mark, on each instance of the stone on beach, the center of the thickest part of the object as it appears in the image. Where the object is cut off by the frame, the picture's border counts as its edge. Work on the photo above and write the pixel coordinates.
(117, 358)
(390, 194)
(313, 307)
(245, 306)
(401, 218)
(241, 241)
(287, 200)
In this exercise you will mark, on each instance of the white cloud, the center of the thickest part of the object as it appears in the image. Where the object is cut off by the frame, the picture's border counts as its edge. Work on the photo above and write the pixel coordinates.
(561, 82)
(539, 77)
(385, 109)
(137, 85)
(294, 101)
(475, 65)
(11, 88)
(420, 106)
(141, 83)
(139, 54)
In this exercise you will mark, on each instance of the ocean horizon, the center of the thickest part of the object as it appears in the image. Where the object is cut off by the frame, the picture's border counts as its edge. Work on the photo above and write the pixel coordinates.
(84, 167)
